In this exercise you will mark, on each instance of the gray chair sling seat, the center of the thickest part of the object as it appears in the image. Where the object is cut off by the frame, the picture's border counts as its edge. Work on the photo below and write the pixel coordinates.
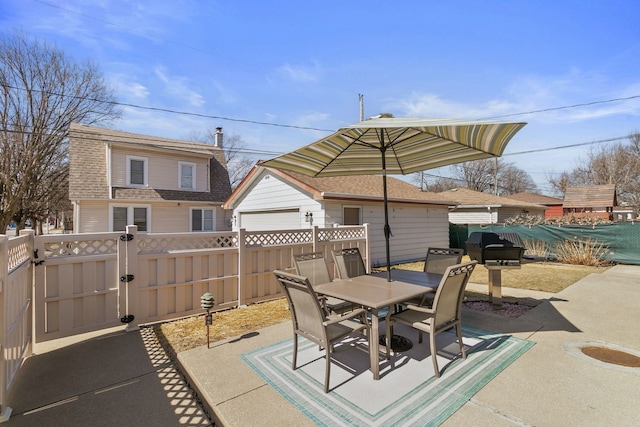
(311, 322)
(436, 261)
(313, 266)
(445, 313)
(349, 262)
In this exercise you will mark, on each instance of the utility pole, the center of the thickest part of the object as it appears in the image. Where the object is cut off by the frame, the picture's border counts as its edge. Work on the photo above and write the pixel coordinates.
(495, 178)
(361, 100)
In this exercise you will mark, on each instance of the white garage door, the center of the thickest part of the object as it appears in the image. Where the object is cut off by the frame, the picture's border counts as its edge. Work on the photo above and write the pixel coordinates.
(285, 219)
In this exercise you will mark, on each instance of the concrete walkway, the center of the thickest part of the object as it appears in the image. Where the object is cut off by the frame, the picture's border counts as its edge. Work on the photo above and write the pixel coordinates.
(126, 378)
(113, 379)
(548, 386)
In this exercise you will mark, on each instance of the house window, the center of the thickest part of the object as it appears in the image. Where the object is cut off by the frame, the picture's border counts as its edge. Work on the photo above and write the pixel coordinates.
(121, 216)
(187, 176)
(351, 215)
(202, 219)
(137, 171)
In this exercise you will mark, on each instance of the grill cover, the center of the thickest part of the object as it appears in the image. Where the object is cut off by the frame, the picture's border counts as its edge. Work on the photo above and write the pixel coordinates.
(483, 246)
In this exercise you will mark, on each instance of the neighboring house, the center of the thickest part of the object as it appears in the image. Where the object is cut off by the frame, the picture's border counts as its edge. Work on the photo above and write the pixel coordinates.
(474, 207)
(161, 185)
(270, 199)
(553, 204)
(590, 201)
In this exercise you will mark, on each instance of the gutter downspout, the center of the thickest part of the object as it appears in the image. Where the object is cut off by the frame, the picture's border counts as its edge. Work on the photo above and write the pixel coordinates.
(109, 183)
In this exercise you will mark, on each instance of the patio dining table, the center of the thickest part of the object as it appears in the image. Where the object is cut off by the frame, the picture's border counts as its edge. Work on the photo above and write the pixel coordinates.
(376, 293)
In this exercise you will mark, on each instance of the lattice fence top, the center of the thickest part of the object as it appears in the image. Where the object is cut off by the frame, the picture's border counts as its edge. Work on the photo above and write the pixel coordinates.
(165, 243)
(80, 247)
(327, 235)
(272, 238)
(19, 252)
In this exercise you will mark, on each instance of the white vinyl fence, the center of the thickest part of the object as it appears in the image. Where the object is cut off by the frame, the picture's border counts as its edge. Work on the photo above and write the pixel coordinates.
(16, 280)
(95, 281)
(88, 282)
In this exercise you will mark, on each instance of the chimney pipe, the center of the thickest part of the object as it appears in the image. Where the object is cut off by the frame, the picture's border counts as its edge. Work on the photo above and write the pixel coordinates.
(218, 138)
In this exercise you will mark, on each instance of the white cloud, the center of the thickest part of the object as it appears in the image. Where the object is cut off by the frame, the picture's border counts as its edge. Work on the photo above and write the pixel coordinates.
(431, 105)
(178, 86)
(300, 73)
(127, 88)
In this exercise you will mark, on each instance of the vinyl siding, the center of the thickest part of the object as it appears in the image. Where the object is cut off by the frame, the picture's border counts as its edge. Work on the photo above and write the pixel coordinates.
(414, 229)
(473, 216)
(94, 217)
(165, 217)
(163, 169)
(270, 193)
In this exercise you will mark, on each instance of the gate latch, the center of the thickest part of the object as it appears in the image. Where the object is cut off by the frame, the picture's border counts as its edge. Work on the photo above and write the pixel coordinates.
(127, 319)
(127, 237)
(126, 278)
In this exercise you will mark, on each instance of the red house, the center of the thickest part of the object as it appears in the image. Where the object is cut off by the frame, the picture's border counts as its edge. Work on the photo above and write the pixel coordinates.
(554, 204)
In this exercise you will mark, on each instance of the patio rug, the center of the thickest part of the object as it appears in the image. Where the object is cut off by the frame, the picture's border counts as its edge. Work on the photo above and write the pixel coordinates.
(407, 393)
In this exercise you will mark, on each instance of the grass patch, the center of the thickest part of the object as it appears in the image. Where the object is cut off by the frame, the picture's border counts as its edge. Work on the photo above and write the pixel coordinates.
(191, 332)
(536, 276)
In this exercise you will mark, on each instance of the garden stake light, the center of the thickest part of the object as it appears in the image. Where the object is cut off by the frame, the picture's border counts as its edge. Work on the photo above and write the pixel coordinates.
(206, 302)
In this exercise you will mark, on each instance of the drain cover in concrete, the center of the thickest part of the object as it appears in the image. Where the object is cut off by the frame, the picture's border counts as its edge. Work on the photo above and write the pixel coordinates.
(605, 355)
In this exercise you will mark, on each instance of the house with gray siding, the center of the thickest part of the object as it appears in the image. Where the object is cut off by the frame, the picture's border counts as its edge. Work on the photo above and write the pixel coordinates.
(475, 207)
(270, 199)
(161, 185)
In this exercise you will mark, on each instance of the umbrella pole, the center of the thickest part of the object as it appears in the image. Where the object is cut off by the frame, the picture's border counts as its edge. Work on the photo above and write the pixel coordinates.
(387, 229)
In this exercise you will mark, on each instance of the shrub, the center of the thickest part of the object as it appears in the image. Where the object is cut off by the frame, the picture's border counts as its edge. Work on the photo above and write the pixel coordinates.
(525, 219)
(588, 252)
(537, 248)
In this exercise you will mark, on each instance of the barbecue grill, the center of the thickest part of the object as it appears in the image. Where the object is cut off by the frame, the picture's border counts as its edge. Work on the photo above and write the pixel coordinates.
(497, 251)
(503, 248)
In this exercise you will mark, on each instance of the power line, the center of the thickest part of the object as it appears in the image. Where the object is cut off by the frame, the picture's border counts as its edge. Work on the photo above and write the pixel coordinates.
(586, 104)
(167, 110)
(581, 144)
(137, 139)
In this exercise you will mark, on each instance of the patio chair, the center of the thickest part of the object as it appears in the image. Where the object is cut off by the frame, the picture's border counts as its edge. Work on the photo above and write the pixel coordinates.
(312, 265)
(442, 316)
(437, 261)
(311, 322)
(349, 262)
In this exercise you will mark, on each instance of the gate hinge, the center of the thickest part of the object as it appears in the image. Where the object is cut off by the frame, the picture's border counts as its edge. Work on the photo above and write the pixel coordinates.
(127, 319)
(35, 256)
(126, 278)
(126, 237)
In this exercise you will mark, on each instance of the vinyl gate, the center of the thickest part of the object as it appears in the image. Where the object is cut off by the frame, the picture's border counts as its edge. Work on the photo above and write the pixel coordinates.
(15, 310)
(90, 282)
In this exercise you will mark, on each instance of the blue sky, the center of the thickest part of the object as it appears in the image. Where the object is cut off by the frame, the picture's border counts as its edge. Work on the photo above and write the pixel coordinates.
(303, 64)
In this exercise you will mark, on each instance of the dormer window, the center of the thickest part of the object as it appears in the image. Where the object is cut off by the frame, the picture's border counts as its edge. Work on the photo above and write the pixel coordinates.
(137, 171)
(186, 176)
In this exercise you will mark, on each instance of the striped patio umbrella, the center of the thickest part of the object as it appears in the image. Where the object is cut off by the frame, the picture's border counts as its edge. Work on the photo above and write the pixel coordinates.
(397, 146)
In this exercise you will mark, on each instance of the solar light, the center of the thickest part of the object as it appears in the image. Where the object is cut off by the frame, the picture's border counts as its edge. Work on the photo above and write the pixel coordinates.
(206, 302)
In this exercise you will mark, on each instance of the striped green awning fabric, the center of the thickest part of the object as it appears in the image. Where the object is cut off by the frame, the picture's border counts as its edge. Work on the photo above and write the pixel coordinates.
(409, 145)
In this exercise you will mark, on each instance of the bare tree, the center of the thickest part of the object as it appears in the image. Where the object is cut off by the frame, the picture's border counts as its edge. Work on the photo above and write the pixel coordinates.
(512, 180)
(238, 163)
(478, 175)
(484, 175)
(42, 91)
(560, 183)
(615, 164)
(433, 184)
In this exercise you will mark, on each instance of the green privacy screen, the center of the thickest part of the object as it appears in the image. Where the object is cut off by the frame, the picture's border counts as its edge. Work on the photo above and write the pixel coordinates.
(622, 239)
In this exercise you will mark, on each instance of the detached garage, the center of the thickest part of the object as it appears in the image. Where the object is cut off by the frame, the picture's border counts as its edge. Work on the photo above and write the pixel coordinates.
(280, 219)
(270, 199)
